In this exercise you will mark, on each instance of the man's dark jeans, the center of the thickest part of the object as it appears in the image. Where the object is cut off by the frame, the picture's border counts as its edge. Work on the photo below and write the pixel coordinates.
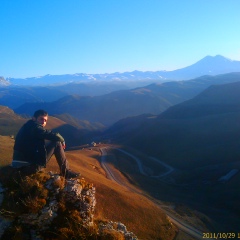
(57, 149)
(52, 148)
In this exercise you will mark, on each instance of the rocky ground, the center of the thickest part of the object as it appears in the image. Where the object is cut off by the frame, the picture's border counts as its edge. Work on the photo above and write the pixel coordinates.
(47, 206)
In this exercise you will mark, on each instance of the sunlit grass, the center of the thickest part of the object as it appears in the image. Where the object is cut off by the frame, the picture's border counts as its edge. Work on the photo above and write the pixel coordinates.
(114, 202)
(117, 203)
(6, 150)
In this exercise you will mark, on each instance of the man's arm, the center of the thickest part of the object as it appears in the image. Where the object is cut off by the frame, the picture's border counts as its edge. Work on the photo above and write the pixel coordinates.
(42, 133)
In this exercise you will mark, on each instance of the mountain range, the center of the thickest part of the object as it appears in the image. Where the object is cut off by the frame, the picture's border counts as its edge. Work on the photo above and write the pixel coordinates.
(207, 66)
(200, 132)
(109, 108)
(199, 139)
(191, 125)
(184, 122)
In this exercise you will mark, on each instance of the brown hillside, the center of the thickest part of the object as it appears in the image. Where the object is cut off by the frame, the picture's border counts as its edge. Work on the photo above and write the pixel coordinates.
(114, 202)
(6, 110)
(6, 148)
(9, 121)
(117, 203)
(54, 122)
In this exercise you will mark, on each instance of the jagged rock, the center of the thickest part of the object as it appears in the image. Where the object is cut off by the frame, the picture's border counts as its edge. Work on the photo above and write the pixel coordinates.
(43, 219)
(59, 194)
(83, 199)
(118, 227)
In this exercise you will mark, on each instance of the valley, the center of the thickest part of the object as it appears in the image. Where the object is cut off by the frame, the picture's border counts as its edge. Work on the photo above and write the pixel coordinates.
(114, 201)
(128, 170)
(169, 210)
(186, 203)
(154, 98)
(164, 157)
(80, 161)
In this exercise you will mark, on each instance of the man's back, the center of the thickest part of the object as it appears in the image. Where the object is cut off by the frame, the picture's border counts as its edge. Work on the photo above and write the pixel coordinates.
(29, 146)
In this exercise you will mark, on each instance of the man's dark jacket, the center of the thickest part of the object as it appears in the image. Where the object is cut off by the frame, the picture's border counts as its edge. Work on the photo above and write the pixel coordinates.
(30, 145)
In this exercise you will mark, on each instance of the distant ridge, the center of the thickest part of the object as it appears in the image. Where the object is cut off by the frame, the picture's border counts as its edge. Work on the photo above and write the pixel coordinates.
(3, 81)
(207, 66)
(195, 133)
(217, 99)
(110, 108)
(10, 122)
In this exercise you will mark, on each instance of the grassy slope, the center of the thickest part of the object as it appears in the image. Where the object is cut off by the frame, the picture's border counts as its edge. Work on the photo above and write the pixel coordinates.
(6, 148)
(114, 202)
(117, 203)
(209, 207)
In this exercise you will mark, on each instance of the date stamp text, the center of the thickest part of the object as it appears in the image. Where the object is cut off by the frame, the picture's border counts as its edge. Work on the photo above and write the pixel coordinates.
(221, 235)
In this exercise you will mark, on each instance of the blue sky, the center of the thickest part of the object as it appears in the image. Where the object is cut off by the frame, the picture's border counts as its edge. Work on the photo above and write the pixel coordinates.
(40, 37)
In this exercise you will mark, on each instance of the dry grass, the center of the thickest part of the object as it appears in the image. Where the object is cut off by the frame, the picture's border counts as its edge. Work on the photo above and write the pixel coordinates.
(118, 203)
(54, 122)
(6, 150)
(29, 195)
(114, 202)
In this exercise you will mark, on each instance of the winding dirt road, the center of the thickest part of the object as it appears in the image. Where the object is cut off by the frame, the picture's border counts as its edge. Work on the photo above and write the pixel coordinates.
(196, 234)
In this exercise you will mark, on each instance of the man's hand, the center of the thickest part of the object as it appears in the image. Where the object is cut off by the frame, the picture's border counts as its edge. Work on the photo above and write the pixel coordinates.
(63, 145)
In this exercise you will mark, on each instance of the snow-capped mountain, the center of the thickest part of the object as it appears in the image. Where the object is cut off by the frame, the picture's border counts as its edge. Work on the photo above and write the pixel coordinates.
(206, 66)
(3, 82)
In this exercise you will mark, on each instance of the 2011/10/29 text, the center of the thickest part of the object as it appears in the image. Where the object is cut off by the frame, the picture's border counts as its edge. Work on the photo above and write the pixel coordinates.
(222, 235)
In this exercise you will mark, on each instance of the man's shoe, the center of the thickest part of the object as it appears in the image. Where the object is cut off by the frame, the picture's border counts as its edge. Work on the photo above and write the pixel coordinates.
(71, 174)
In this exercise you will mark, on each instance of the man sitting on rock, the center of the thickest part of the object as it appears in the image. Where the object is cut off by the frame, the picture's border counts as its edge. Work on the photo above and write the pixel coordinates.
(31, 153)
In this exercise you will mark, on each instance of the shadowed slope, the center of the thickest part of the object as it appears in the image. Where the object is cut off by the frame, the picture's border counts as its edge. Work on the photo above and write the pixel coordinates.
(109, 108)
(201, 131)
(115, 202)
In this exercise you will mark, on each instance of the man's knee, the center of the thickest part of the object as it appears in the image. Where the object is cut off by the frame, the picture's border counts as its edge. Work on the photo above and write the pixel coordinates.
(52, 147)
(50, 144)
(59, 145)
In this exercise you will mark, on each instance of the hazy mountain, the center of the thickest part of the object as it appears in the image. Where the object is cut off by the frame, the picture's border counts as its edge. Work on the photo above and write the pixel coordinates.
(109, 108)
(93, 88)
(217, 99)
(199, 132)
(28, 90)
(84, 78)
(16, 96)
(80, 124)
(206, 66)
(3, 82)
(125, 129)
(105, 109)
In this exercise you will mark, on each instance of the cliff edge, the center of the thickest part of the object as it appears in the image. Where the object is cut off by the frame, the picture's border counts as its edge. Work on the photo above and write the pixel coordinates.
(47, 206)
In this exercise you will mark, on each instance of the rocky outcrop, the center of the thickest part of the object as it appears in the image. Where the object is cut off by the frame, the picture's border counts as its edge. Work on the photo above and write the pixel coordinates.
(47, 203)
(119, 228)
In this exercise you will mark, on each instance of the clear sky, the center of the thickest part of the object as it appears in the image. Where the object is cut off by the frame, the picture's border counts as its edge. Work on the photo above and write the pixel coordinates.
(40, 37)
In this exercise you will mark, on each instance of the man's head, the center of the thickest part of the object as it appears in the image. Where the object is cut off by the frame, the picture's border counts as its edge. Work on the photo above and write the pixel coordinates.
(41, 117)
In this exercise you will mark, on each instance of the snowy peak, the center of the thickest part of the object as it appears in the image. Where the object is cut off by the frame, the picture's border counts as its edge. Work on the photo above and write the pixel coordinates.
(207, 66)
(3, 82)
(216, 60)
